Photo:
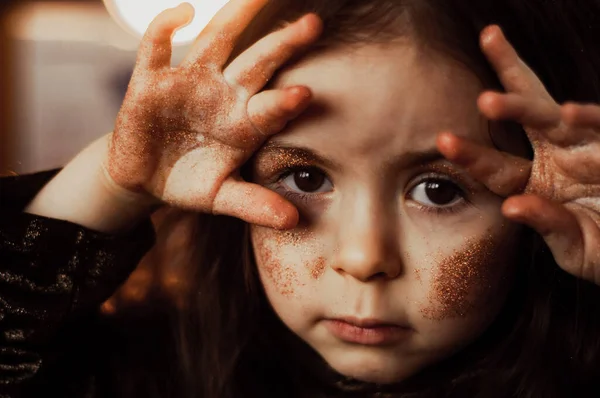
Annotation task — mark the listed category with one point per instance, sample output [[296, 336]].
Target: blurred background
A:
[[64, 69]]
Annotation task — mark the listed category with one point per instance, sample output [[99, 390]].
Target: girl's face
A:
[[400, 259]]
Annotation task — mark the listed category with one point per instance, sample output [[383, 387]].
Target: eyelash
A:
[[296, 196], [461, 191]]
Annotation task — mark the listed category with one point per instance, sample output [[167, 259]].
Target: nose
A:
[[368, 240]]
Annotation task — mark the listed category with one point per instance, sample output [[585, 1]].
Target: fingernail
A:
[[488, 33]]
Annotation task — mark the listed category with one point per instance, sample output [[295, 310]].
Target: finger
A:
[[532, 112], [538, 114], [270, 110], [581, 115], [255, 204], [155, 49], [559, 227], [514, 74], [109, 307], [255, 66], [500, 172], [219, 37]]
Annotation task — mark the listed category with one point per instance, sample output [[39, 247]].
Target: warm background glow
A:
[[136, 15]]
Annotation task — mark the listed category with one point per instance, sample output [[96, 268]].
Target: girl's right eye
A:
[[307, 181]]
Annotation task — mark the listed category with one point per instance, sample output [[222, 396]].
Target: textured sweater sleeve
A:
[[53, 274]]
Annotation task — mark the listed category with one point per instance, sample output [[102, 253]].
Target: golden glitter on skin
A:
[[317, 269], [443, 168], [271, 159], [303, 240], [418, 275], [270, 250], [184, 131], [146, 144], [458, 278], [284, 278]]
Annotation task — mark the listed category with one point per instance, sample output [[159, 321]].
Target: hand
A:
[[183, 133], [558, 193]]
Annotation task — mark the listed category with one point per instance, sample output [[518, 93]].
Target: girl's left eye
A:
[[437, 193], [307, 180]]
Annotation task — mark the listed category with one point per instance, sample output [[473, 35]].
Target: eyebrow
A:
[[415, 158], [303, 153], [405, 160]]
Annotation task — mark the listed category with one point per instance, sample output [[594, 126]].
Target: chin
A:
[[374, 367]]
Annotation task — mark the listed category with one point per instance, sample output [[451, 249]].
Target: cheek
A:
[[463, 289], [287, 261], [467, 280], [458, 277]]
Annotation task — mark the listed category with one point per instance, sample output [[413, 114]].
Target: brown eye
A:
[[436, 193], [308, 181]]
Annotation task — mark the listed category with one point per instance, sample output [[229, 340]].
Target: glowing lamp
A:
[[135, 15]]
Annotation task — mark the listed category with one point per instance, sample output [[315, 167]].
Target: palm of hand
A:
[[568, 175], [189, 127]]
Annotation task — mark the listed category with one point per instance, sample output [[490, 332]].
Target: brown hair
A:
[[546, 340]]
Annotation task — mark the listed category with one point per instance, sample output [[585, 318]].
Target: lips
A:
[[367, 331]]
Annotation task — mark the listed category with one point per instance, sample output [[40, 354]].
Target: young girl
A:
[[369, 217]]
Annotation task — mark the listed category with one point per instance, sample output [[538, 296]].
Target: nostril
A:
[[380, 275], [390, 273]]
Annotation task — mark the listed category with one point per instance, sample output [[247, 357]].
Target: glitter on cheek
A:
[[461, 281], [317, 268], [418, 275], [284, 255], [304, 245], [284, 278], [169, 113]]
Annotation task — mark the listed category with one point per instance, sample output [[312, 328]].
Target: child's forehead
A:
[[384, 96], [375, 76]]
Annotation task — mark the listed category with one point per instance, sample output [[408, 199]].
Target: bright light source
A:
[[135, 15]]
